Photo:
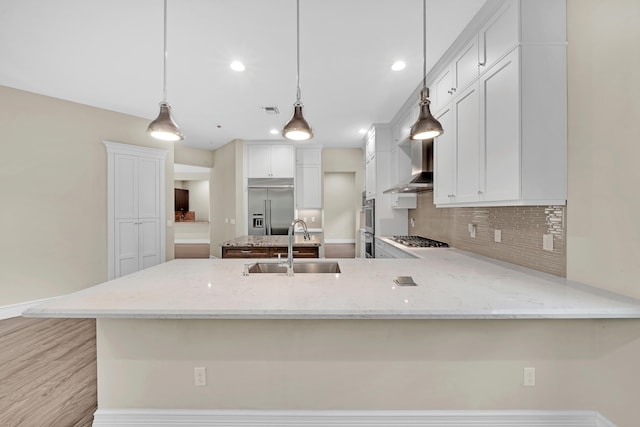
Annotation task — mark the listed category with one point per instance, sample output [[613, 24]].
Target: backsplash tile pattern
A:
[[522, 230]]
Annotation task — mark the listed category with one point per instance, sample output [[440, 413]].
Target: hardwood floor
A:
[[47, 372]]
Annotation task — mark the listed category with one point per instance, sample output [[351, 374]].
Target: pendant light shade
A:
[[297, 129], [164, 127], [426, 127]]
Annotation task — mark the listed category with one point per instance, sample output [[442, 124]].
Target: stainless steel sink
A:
[[303, 267]]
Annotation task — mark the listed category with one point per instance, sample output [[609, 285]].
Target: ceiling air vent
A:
[[271, 110]]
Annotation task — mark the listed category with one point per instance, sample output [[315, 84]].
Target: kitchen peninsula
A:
[[270, 247], [352, 340]]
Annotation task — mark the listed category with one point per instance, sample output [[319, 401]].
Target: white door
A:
[[135, 208]]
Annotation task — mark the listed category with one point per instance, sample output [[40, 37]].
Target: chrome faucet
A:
[[290, 246]]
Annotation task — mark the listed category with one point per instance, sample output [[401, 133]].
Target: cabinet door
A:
[[499, 36], [370, 178], [126, 246], [500, 129], [149, 242], [308, 156], [149, 188], [444, 164], [125, 186], [258, 161], [465, 67], [443, 92], [308, 187], [282, 161], [467, 128]]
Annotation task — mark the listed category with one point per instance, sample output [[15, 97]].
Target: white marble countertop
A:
[[452, 284]]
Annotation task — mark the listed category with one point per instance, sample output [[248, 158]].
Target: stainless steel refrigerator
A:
[[270, 202]]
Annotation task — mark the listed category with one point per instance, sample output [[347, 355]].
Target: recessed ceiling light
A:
[[237, 66], [362, 131], [398, 65], [274, 131]]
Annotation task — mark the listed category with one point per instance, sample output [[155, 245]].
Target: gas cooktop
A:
[[419, 242]]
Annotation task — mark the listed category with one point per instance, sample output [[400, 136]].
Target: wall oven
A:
[[369, 245], [369, 216]]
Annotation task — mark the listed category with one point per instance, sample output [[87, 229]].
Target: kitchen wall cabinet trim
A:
[[266, 160], [135, 208]]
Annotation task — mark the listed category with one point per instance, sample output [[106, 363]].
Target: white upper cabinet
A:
[[505, 137], [270, 161], [444, 151], [462, 71], [499, 35], [308, 178]]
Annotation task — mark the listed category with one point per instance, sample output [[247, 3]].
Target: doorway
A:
[[339, 222]]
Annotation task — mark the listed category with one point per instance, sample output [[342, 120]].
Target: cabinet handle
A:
[[451, 195], [245, 252], [453, 89], [479, 191], [449, 92], [482, 64]]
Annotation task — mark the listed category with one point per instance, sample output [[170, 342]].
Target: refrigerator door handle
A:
[[267, 214]]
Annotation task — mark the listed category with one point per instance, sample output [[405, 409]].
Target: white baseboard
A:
[[15, 310], [339, 241], [254, 418]]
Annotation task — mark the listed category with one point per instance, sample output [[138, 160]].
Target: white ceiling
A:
[[108, 54]]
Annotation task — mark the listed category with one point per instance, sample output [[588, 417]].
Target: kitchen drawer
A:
[[245, 252], [298, 252]]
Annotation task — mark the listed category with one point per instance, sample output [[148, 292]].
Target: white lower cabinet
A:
[[385, 250]]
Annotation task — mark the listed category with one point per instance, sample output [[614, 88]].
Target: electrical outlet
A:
[[304, 218], [547, 242], [529, 377], [497, 236], [413, 222], [232, 220], [199, 376], [313, 219], [472, 231]]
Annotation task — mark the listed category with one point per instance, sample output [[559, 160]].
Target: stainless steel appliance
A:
[[369, 216], [270, 202], [421, 179], [419, 242], [369, 245]]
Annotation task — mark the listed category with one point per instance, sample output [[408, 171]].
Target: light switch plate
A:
[[547, 242], [497, 236]]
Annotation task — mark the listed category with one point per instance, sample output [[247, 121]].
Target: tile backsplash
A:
[[522, 229]]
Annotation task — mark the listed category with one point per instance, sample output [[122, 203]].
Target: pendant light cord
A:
[[164, 82], [424, 44], [297, 51]]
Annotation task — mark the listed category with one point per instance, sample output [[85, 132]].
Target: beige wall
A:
[[377, 364], [603, 230], [226, 188], [346, 160], [339, 220], [184, 155], [53, 175]]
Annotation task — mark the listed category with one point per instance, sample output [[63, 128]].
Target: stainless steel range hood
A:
[[421, 179]]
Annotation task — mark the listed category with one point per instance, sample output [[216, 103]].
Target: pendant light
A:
[[427, 127], [163, 127], [297, 129]]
